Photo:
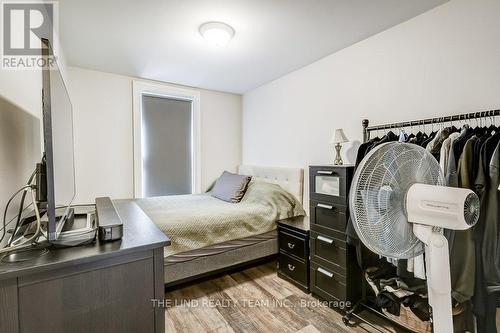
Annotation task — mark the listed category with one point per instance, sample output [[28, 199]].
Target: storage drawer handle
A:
[[291, 246], [325, 272], [323, 172], [291, 267], [324, 206], [326, 240]]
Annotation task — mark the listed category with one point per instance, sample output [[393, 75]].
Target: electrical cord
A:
[[30, 240], [75, 205], [33, 239], [7, 207], [15, 217], [21, 209]]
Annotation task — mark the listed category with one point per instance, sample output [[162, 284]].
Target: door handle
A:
[[324, 172], [325, 272], [291, 267], [291, 246], [326, 240], [320, 205]]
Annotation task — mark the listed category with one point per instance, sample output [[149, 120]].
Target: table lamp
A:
[[338, 138]]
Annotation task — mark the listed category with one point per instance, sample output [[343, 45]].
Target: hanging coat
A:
[[490, 249]]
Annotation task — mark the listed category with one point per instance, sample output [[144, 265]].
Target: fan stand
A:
[[438, 276]]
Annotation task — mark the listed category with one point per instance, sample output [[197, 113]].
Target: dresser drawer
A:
[[329, 249], [293, 268], [292, 243], [340, 235], [328, 184], [332, 216], [327, 284]]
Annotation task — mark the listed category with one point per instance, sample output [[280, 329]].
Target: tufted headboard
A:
[[290, 179]]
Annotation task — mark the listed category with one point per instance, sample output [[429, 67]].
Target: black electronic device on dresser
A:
[[334, 272], [293, 262]]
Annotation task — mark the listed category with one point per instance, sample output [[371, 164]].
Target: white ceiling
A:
[[159, 39]]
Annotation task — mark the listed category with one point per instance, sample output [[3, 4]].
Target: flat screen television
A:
[[59, 161]]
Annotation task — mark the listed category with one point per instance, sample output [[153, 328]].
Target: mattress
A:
[[199, 220], [179, 273], [220, 248]]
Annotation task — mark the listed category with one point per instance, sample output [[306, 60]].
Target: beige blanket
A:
[[198, 220]]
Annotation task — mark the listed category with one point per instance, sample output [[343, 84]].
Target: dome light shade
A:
[[217, 33]]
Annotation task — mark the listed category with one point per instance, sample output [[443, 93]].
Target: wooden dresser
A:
[[101, 287], [334, 273]]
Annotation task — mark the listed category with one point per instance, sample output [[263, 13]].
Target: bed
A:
[[209, 235]]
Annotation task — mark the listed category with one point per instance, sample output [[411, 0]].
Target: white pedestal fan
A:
[[399, 205]]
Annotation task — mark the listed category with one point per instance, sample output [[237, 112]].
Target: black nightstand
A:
[[293, 262]]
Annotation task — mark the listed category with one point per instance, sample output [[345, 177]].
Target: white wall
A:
[[103, 134], [21, 126], [220, 134], [442, 62], [20, 131], [20, 149]]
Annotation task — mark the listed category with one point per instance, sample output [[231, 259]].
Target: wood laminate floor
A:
[[253, 300], [498, 319]]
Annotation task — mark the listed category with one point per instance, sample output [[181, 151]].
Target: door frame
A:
[[142, 88]]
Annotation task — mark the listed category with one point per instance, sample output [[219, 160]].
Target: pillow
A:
[[230, 187]]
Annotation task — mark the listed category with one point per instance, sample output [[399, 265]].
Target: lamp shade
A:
[[339, 136]]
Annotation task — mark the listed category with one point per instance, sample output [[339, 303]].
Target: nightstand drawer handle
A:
[[326, 240], [323, 172], [291, 267], [291, 246], [324, 271], [324, 206]]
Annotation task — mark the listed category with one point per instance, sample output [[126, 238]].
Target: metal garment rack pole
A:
[[366, 136], [459, 117]]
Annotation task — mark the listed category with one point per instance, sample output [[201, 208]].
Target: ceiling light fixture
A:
[[217, 33]]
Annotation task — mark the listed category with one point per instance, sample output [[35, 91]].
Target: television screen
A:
[[58, 145]]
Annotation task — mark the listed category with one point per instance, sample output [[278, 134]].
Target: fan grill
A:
[[471, 209], [378, 197]]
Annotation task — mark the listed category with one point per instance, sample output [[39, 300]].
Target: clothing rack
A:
[[363, 304], [459, 117]]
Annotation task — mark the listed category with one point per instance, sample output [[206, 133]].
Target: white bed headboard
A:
[[290, 179]]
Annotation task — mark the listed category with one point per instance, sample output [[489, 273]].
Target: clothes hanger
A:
[[426, 136], [412, 135], [464, 127], [430, 136], [390, 134], [419, 124], [433, 133], [465, 122], [477, 130], [494, 130], [402, 135], [483, 124], [453, 128]]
